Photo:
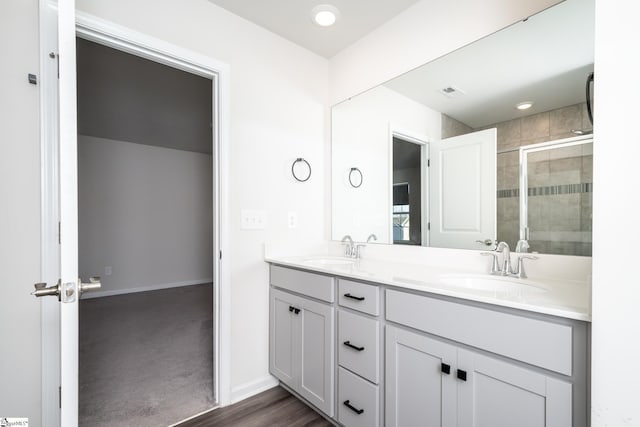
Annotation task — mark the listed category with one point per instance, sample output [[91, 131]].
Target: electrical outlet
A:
[[108, 271], [292, 219], [251, 219]]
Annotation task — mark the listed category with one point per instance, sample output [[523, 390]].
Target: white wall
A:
[[425, 31], [361, 138], [278, 113], [146, 212], [20, 353], [616, 288]]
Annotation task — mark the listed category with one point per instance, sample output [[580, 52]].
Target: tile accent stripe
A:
[[549, 190]]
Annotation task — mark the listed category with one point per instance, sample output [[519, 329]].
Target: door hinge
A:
[[59, 233], [60, 397]]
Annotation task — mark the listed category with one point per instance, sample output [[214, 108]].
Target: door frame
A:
[[124, 39]]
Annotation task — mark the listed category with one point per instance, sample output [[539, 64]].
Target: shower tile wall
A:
[[559, 223]]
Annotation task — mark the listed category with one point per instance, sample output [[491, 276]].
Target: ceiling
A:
[[545, 59], [292, 20]]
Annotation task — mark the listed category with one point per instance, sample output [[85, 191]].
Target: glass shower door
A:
[[556, 191]]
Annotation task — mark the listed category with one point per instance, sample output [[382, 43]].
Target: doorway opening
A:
[[409, 192], [145, 202]]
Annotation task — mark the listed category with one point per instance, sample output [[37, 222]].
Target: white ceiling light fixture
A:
[[524, 105], [325, 15]]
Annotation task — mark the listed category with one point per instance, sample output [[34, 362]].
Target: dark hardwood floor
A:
[[273, 408]]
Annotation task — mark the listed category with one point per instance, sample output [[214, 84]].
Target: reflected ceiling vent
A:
[[451, 91]]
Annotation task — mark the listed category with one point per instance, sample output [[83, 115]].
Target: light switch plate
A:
[[252, 219]]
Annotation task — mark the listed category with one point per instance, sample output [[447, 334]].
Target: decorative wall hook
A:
[[355, 177], [304, 170]]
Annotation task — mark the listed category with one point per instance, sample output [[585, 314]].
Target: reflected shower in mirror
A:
[[515, 89]]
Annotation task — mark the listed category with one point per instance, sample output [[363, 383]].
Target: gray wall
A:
[[146, 212], [128, 98], [19, 213]]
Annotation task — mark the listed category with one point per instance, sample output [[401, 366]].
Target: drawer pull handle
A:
[[354, 297], [353, 408], [445, 369], [348, 344], [462, 375]]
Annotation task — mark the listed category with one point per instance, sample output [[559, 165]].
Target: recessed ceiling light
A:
[[324, 15], [524, 105]]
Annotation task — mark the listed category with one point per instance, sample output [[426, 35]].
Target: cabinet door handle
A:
[[354, 297], [348, 344], [296, 310], [291, 309], [445, 369], [353, 408], [462, 375]]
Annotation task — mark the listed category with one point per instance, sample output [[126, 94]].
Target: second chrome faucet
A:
[[506, 269]]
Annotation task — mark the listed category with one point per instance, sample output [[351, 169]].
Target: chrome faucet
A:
[[372, 237], [506, 257], [506, 269], [349, 248]]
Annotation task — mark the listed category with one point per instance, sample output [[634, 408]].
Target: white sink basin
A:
[[490, 283], [329, 261]]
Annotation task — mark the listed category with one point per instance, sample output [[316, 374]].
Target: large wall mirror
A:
[[491, 142]]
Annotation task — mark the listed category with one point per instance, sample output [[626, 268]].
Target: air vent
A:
[[451, 91]]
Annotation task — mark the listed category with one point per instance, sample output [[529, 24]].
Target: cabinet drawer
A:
[[537, 342], [358, 296], [359, 345], [302, 282], [357, 401]]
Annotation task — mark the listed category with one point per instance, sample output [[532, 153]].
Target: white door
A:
[[68, 213], [463, 191]]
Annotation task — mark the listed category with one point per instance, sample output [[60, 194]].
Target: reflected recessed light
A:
[[524, 105], [324, 15]]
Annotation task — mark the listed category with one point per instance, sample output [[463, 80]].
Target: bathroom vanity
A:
[[373, 343]]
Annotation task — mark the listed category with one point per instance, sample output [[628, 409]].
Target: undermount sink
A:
[[490, 283], [329, 261]]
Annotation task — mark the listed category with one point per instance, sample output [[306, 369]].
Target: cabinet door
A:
[[418, 392], [317, 354], [283, 333], [499, 394]]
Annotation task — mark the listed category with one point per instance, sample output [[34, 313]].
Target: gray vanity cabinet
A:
[[432, 383], [301, 341], [499, 394], [418, 389]]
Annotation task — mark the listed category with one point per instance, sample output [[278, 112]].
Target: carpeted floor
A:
[[146, 359]]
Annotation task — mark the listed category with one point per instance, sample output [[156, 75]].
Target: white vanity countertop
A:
[[564, 298]]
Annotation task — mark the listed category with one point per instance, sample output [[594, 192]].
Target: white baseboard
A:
[[109, 293], [252, 388]]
